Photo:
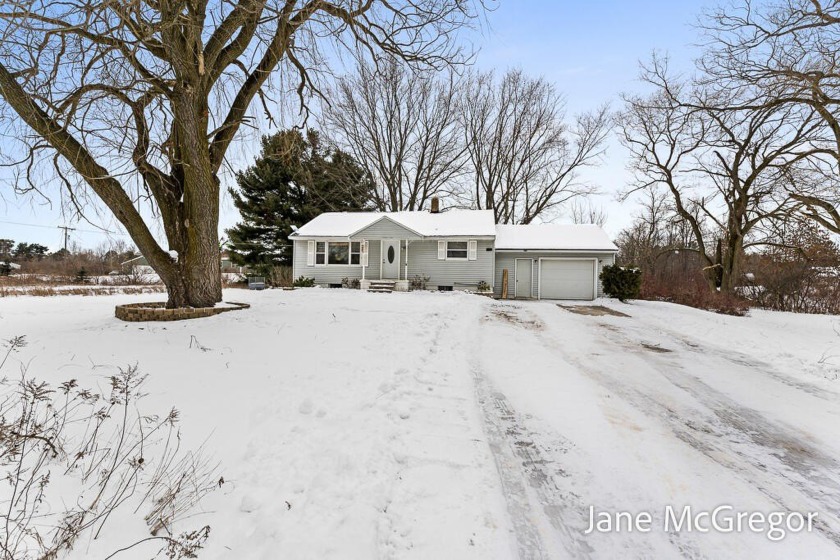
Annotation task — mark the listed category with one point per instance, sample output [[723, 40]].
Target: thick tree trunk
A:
[[731, 265], [198, 282], [201, 265], [195, 280]]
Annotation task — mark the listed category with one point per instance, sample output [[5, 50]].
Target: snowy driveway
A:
[[427, 425], [669, 407]]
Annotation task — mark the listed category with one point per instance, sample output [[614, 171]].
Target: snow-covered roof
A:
[[454, 223], [11, 265], [570, 237]]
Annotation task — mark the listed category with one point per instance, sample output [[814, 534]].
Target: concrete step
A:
[[382, 286]]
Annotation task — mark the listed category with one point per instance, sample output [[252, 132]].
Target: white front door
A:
[[391, 259]]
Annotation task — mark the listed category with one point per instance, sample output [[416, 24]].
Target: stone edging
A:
[[157, 311]]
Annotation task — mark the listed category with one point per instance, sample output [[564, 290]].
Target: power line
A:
[[103, 231]]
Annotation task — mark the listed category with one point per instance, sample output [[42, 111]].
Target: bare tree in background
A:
[[657, 230], [731, 168], [584, 212], [524, 157], [140, 100], [788, 52], [400, 123]]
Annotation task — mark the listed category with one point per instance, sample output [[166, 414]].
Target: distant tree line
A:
[[35, 258]]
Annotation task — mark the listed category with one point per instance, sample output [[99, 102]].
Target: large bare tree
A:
[[788, 52], [525, 159], [401, 124], [140, 100], [728, 169]]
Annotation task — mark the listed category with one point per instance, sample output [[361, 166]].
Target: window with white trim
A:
[[456, 250], [338, 253]]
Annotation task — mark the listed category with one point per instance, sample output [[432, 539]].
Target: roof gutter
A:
[[574, 251]]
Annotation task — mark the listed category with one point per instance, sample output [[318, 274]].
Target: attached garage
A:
[[567, 278], [551, 261]]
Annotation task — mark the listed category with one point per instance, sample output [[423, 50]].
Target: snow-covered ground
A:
[[445, 425]]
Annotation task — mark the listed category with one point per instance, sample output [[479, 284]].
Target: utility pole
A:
[[67, 231]]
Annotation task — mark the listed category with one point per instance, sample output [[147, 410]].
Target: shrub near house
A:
[[621, 282]]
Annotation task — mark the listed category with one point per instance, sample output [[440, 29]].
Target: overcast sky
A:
[[590, 50]]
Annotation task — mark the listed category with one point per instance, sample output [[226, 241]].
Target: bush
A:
[[795, 286], [726, 304], [418, 282], [304, 282], [81, 277], [5, 269], [352, 283], [483, 286], [693, 291], [134, 276], [620, 282]]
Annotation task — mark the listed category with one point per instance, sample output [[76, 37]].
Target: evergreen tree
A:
[[6, 248], [294, 179], [29, 251]]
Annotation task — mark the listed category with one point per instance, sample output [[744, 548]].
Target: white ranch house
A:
[[455, 250]]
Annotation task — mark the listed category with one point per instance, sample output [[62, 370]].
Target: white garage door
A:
[[567, 279]]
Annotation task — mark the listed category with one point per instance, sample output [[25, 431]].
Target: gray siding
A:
[[385, 229], [506, 260], [332, 274], [423, 261]]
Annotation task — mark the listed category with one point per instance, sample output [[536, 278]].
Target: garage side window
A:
[[320, 252]]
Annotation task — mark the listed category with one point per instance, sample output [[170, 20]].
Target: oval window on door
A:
[[391, 254]]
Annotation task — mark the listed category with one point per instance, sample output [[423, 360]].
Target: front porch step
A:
[[382, 286]]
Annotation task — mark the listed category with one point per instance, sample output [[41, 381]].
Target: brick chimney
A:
[[435, 205]]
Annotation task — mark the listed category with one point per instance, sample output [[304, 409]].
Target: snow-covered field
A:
[[444, 425]]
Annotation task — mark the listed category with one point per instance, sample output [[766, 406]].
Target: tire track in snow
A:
[[530, 490], [496, 414], [770, 457], [743, 360]]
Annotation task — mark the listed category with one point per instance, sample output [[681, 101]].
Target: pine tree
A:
[[294, 179]]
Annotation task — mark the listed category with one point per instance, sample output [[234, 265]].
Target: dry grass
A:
[[693, 292], [59, 290], [513, 316]]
